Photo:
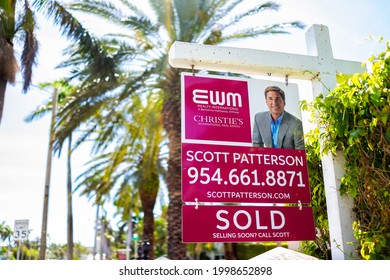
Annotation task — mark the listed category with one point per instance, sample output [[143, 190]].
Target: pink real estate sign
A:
[[269, 187]]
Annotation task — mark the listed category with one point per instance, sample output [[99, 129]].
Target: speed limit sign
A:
[[21, 230]]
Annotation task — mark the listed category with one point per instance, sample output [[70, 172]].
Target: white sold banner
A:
[[21, 230]]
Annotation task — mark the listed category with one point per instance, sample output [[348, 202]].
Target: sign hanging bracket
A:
[[192, 68]]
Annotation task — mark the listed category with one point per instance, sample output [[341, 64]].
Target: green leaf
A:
[[384, 119]]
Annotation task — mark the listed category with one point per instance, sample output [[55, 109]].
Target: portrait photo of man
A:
[[277, 128]]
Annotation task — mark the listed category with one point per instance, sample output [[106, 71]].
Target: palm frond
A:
[[140, 24], [102, 9], [133, 8], [72, 28], [39, 112], [30, 47], [167, 16], [268, 6], [279, 28]]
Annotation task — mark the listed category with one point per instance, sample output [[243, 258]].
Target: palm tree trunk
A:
[[176, 248], [129, 235], [148, 200], [96, 231], [42, 248], [3, 87], [70, 212], [171, 114], [102, 236]]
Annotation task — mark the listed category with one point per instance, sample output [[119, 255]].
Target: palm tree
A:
[[5, 235], [5, 232], [149, 168], [147, 41], [134, 162], [63, 92], [16, 22]]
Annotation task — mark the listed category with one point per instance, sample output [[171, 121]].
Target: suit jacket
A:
[[290, 132]]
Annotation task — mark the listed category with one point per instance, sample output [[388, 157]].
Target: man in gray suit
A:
[[277, 128]]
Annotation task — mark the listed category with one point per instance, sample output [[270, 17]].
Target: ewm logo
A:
[[220, 98]]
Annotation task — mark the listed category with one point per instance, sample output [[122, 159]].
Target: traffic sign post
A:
[[20, 233]]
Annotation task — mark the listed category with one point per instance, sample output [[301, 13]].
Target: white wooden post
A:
[[319, 63], [340, 214]]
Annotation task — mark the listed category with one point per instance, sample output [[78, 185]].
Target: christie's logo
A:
[[220, 98]]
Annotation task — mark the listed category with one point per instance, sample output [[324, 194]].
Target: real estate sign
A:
[[231, 190]]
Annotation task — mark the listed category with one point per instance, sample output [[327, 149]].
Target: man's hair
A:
[[275, 88]]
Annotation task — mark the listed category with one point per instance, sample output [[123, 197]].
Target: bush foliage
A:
[[354, 118]]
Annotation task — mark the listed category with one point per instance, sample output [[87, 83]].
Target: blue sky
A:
[[23, 146]]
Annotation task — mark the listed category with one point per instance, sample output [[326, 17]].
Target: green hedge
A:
[[354, 118]]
